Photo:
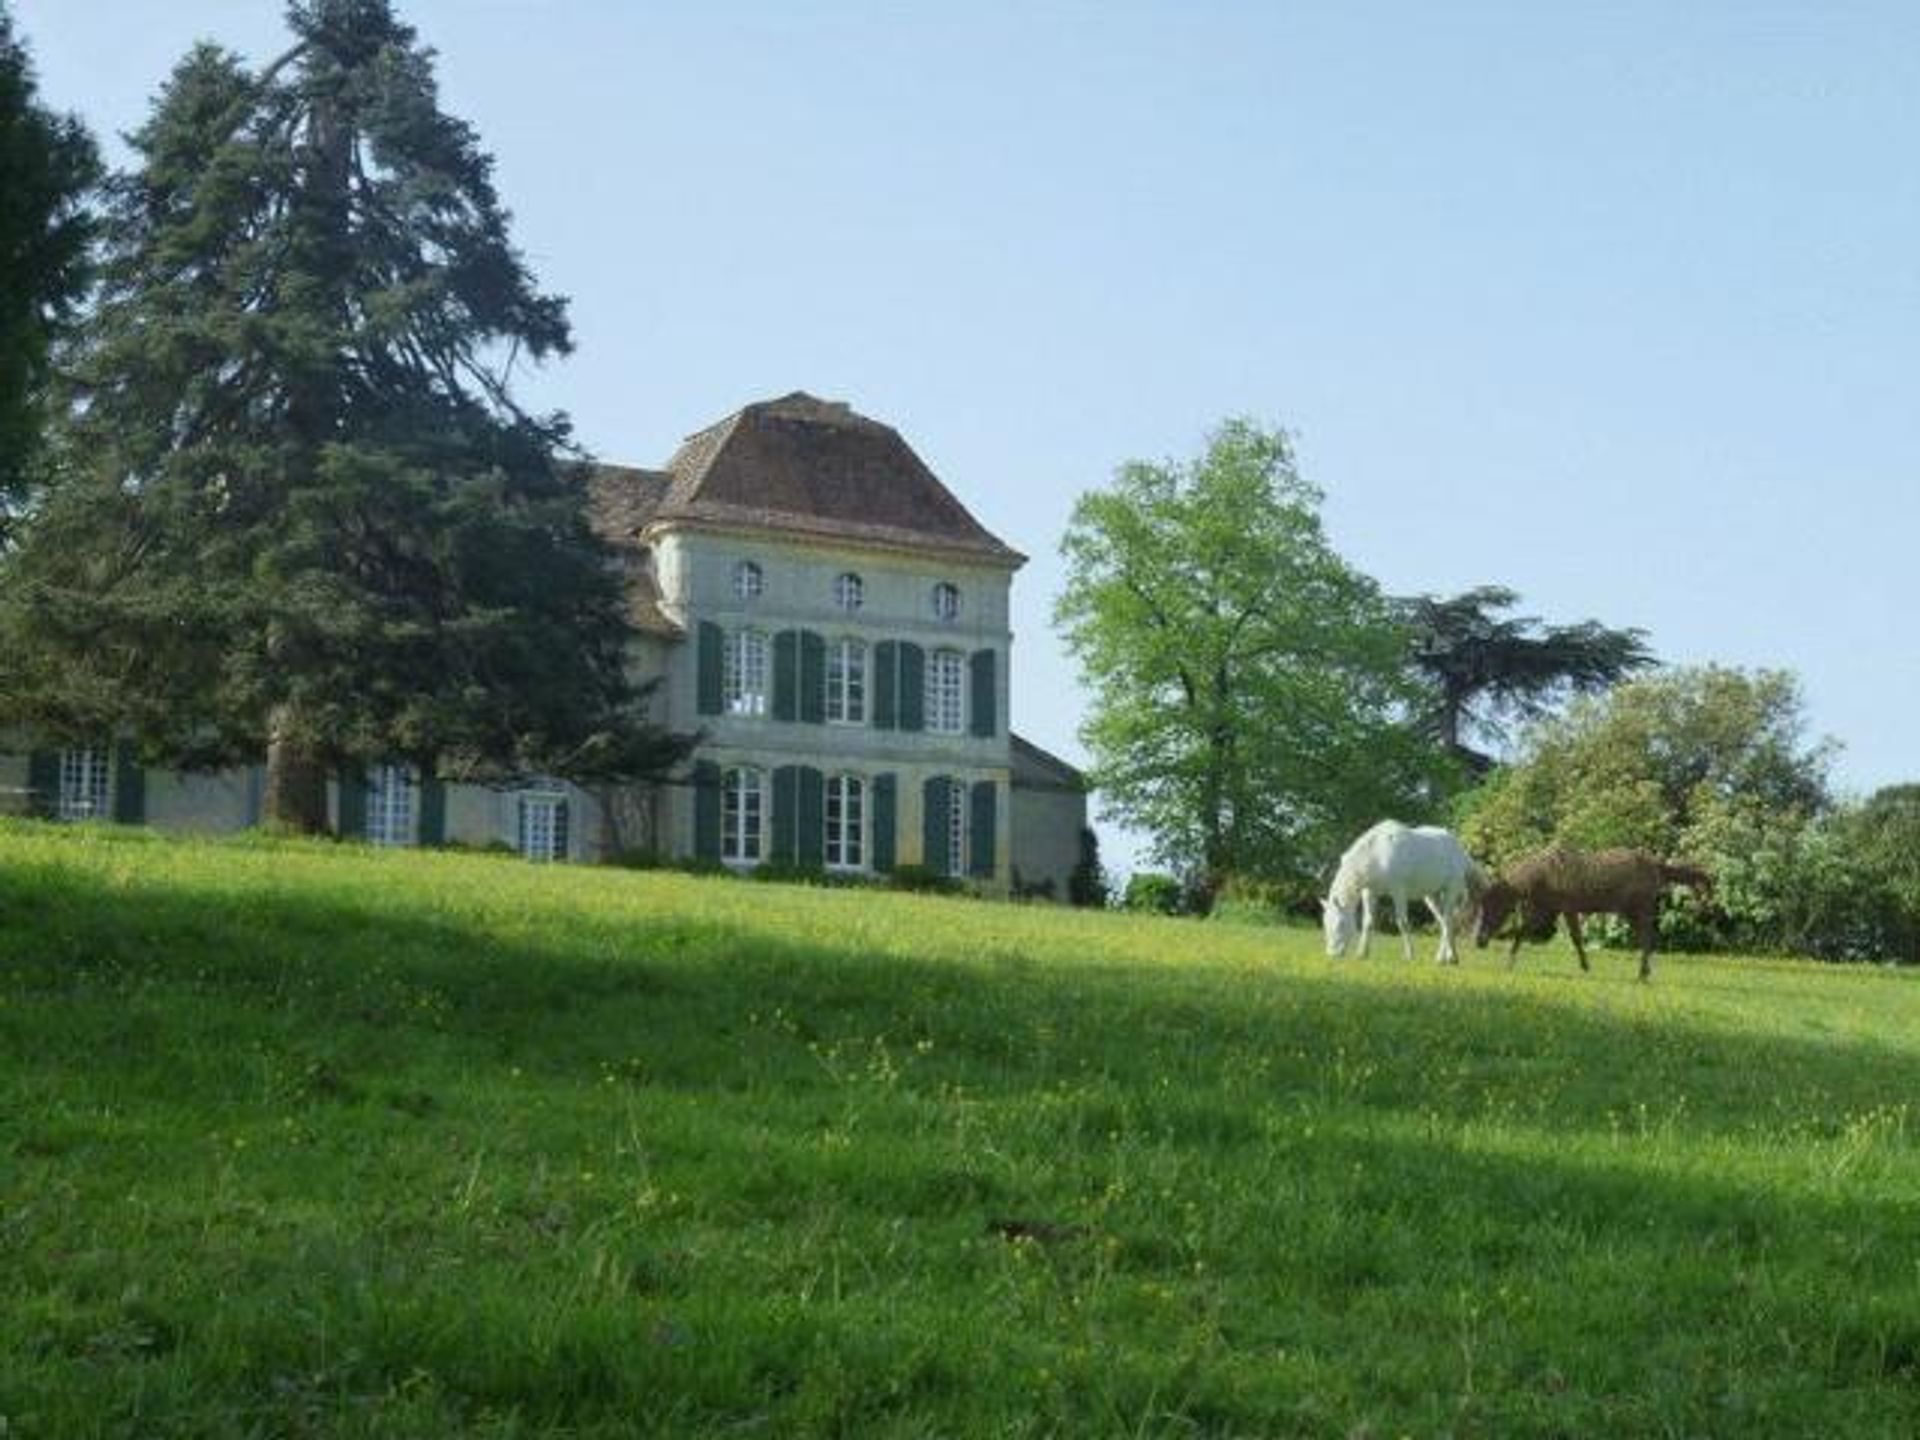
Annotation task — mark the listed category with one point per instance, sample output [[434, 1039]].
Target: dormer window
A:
[[946, 601], [849, 592], [748, 580]]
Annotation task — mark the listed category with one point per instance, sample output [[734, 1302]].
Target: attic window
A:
[[748, 581], [849, 591], [946, 601]]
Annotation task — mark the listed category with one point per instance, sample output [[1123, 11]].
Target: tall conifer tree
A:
[[1488, 670], [307, 517], [48, 166]]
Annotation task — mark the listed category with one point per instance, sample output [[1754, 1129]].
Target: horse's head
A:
[[1496, 904], [1339, 922]]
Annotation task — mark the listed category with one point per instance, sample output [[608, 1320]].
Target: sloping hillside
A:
[[307, 1140]]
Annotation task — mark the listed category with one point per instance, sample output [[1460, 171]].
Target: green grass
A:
[[306, 1140]]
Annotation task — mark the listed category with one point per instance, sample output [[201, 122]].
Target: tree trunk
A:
[[1451, 705], [296, 790]]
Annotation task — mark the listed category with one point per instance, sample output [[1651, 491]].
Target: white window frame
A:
[[846, 681], [749, 580], [846, 822], [743, 673], [849, 591], [85, 791], [393, 806], [543, 802], [958, 818], [946, 601], [947, 692], [743, 815]]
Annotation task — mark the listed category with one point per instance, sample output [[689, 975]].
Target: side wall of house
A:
[[1047, 821]]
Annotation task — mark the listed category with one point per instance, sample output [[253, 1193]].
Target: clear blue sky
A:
[[1617, 304]]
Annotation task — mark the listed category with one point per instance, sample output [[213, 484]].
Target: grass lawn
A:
[[309, 1140]]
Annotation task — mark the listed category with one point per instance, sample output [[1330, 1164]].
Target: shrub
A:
[[1033, 889], [1159, 894], [1244, 901], [1087, 886], [789, 872], [647, 859]]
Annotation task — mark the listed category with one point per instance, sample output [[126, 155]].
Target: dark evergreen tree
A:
[[305, 515], [1489, 670], [48, 166]]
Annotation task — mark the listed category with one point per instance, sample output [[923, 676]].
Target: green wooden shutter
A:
[[562, 839], [811, 817], [913, 686], [980, 828], [786, 675], [986, 714], [43, 783], [706, 810], [813, 678], [782, 846], [936, 796], [433, 810], [886, 682], [353, 803], [129, 787], [710, 651], [885, 809]]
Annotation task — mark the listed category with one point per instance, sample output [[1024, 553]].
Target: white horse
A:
[[1401, 862]]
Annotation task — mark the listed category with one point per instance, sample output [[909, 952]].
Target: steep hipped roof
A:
[[801, 465]]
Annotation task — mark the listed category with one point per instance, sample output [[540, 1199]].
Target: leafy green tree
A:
[[48, 168], [1490, 671], [1869, 903], [1709, 763], [304, 513], [1655, 760], [1248, 686]]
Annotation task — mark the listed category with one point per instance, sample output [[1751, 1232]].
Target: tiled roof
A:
[[622, 498], [1037, 769], [620, 501], [818, 468]]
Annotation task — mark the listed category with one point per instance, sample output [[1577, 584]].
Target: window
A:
[[744, 673], [847, 682], [846, 822], [957, 828], [391, 791], [743, 811], [946, 601], [849, 591], [543, 825], [748, 581], [83, 785], [946, 690]]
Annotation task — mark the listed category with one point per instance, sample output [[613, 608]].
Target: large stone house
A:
[[818, 608]]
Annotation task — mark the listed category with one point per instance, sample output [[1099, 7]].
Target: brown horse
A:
[[1563, 881]]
